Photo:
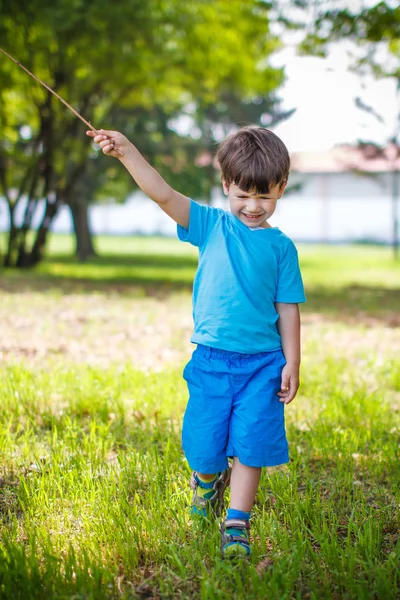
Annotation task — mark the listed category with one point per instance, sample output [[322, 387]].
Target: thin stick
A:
[[50, 90]]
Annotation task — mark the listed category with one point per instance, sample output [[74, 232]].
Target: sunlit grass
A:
[[93, 483], [95, 491], [354, 277]]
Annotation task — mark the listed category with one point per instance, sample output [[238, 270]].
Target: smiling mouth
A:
[[251, 217]]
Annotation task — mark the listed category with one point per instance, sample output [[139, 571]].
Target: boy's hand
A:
[[112, 143], [174, 204], [290, 383]]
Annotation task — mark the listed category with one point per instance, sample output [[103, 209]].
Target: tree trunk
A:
[[36, 254], [12, 239], [84, 243]]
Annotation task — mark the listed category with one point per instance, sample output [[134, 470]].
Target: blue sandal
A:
[[214, 498], [235, 540]]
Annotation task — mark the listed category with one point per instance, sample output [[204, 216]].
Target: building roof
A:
[[368, 158], [346, 158]]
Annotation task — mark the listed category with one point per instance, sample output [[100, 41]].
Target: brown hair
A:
[[255, 159]]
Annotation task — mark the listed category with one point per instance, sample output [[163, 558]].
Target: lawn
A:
[[93, 482]]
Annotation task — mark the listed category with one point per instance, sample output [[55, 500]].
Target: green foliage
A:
[[132, 63], [372, 28], [374, 24], [376, 32]]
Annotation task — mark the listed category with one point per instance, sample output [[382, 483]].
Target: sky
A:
[[323, 91]]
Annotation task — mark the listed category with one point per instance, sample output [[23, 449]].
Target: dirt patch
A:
[[148, 332], [95, 329]]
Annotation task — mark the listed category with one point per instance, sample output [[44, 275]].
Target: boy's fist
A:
[[112, 143], [289, 384]]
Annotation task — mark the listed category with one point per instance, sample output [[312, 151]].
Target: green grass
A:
[[93, 483], [94, 492], [342, 280]]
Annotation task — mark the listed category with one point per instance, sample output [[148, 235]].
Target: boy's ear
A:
[[282, 189], [225, 187]]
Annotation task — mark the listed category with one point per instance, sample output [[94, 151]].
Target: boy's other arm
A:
[[289, 330], [174, 204]]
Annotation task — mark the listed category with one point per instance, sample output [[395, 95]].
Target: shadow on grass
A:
[[9, 501], [160, 275], [137, 287], [139, 275], [360, 303], [167, 261]]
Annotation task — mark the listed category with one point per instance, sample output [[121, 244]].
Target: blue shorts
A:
[[234, 410]]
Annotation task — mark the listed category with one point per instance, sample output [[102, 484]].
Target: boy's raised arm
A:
[[174, 204]]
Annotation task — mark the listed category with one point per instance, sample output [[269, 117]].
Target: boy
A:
[[246, 322]]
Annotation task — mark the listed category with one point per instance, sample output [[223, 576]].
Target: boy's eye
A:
[[246, 198]]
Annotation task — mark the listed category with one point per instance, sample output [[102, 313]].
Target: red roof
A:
[[346, 158]]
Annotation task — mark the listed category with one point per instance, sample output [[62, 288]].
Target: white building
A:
[[344, 197]]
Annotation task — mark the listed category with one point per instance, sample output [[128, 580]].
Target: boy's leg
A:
[[244, 485], [205, 429], [205, 488], [206, 476], [235, 529], [256, 435], [209, 491]]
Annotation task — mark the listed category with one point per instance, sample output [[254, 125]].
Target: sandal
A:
[[235, 541], [215, 497]]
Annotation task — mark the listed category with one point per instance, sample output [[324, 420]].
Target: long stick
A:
[[50, 90]]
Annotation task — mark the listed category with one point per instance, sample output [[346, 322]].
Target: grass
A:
[[93, 482], [341, 280]]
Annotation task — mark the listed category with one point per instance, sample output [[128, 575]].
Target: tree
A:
[[102, 57], [375, 32]]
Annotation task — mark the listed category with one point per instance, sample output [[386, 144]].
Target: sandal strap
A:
[[194, 482], [203, 501], [237, 524], [235, 538]]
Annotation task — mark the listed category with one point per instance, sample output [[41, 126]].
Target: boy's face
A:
[[250, 208]]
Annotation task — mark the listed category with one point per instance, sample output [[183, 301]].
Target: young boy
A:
[[246, 322]]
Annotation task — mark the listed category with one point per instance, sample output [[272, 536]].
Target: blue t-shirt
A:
[[241, 274]]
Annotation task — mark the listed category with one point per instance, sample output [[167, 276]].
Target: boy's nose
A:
[[253, 206]]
